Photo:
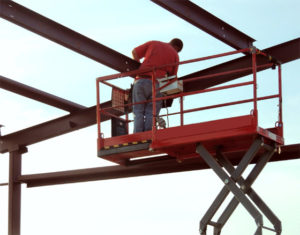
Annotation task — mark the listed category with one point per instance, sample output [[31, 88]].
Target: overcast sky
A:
[[162, 204]]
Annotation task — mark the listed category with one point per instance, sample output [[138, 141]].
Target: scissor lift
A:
[[210, 140]]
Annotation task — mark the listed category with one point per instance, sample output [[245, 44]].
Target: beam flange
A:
[[283, 53], [64, 36], [38, 95], [207, 22], [53, 128], [166, 165]]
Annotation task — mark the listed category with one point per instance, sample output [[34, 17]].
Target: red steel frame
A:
[[157, 142]]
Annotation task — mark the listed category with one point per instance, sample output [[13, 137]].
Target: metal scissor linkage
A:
[[232, 178]]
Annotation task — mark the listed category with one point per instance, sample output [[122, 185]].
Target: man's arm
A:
[[135, 56], [175, 68], [140, 51]]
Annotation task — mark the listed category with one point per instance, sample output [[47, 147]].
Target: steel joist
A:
[[64, 36], [38, 95], [141, 168], [207, 22], [283, 53], [53, 128]]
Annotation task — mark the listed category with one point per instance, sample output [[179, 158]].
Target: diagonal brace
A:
[[246, 187], [230, 185], [224, 192]]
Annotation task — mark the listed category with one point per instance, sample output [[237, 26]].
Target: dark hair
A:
[[175, 42]]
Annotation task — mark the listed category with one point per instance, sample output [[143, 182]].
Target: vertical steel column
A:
[[14, 192]]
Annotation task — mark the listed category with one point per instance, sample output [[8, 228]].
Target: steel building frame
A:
[[80, 117]]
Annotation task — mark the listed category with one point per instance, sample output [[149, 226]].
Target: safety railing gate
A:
[[263, 142]]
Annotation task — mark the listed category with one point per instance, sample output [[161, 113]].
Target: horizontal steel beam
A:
[[285, 52], [38, 95], [47, 130], [64, 36], [53, 128], [166, 165], [207, 22], [282, 53]]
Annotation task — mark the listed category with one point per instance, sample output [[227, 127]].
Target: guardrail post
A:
[[254, 70]]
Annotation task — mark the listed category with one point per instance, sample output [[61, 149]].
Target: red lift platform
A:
[[210, 140]]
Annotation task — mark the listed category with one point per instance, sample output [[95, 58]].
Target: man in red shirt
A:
[[155, 54]]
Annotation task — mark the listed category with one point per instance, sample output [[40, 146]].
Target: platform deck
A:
[[231, 134]]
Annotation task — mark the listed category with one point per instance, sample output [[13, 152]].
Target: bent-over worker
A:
[[155, 53]]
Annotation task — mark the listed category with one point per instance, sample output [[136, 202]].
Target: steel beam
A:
[[53, 128], [207, 22], [283, 53], [14, 192], [161, 166], [39, 24], [38, 95], [64, 36]]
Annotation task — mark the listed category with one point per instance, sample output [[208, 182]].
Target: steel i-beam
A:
[[207, 22], [53, 128], [38, 95], [14, 194], [159, 166], [64, 36], [283, 53]]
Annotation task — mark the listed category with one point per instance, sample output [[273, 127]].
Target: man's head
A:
[[177, 44]]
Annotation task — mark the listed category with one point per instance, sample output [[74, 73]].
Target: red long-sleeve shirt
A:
[[156, 53]]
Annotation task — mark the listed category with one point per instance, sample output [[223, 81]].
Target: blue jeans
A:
[[142, 91]]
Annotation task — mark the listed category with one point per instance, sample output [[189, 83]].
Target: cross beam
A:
[[142, 168], [64, 36], [207, 22], [38, 95], [283, 53], [53, 128]]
